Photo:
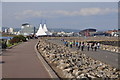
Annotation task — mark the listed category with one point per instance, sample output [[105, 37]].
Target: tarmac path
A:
[[22, 62], [107, 57]]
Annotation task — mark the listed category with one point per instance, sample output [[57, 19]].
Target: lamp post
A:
[[34, 30]]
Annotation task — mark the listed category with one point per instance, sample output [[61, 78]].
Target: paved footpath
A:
[[107, 57], [22, 62]]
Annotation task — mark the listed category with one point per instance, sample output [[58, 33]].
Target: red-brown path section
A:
[[22, 62]]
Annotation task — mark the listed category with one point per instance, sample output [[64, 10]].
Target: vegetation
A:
[[9, 45], [17, 39]]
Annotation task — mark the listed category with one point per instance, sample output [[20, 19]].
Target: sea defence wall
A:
[[97, 38], [73, 64], [113, 45], [110, 48]]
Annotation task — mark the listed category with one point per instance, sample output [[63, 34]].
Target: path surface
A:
[[110, 58], [22, 62]]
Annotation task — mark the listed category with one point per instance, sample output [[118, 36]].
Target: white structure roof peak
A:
[[40, 27], [45, 28], [40, 31]]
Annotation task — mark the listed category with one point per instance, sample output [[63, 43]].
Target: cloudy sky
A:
[[68, 15]]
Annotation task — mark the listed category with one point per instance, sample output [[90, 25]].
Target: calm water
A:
[[6, 37]]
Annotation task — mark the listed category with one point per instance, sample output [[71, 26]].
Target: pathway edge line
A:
[[47, 67]]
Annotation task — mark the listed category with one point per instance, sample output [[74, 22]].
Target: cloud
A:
[[30, 14], [87, 12], [82, 12]]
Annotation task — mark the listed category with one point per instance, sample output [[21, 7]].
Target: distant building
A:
[[100, 34], [10, 30], [66, 34], [6, 30], [26, 29], [87, 32], [113, 32]]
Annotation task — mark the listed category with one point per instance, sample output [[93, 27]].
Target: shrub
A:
[[18, 38], [22, 38]]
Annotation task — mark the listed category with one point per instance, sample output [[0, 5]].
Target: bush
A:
[[18, 38], [22, 38], [15, 39]]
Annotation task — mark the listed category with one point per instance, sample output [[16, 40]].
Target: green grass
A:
[[9, 45], [15, 43]]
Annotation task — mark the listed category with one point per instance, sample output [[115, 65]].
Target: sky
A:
[[67, 15], [0, 16], [59, 0]]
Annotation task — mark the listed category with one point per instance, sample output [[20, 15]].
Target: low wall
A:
[[110, 48], [96, 39]]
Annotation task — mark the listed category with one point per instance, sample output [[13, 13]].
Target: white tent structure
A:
[[43, 31], [40, 31], [45, 28]]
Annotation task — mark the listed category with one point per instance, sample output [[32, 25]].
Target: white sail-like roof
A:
[[45, 28], [40, 31], [48, 33]]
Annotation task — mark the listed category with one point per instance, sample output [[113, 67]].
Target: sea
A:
[[6, 37]]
